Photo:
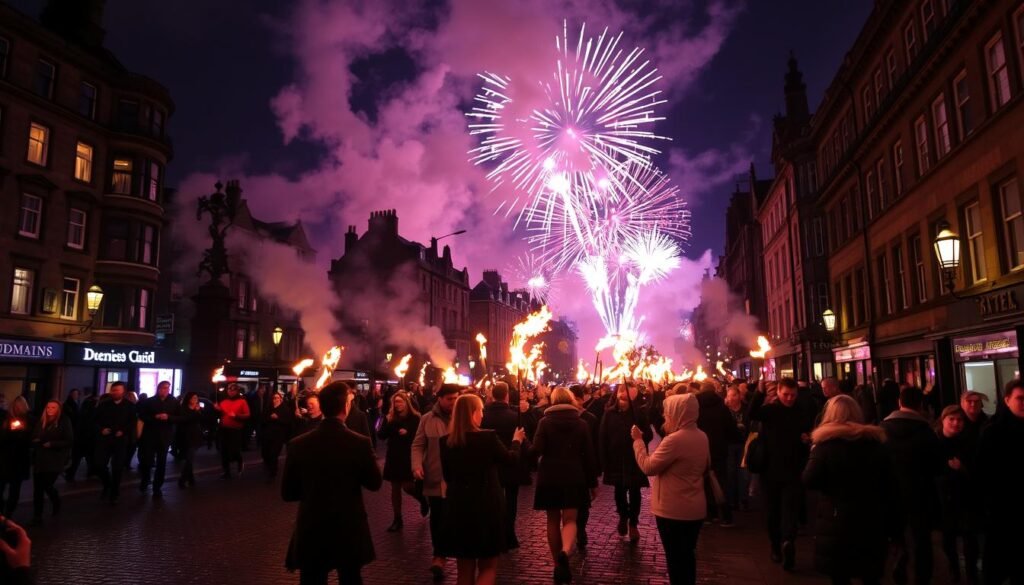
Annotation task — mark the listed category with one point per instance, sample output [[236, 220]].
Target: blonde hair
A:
[[410, 406], [462, 419], [842, 409], [19, 407], [562, 395]]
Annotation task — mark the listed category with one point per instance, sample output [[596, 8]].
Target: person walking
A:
[[310, 417], [737, 480], [157, 416], [470, 460], [956, 494], [72, 406], [275, 430], [52, 438], [618, 465], [325, 471], [785, 433], [85, 440], [566, 475], [426, 467], [856, 516], [975, 420], [115, 425], [917, 461], [719, 426], [500, 417], [399, 429], [189, 420], [594, 428], [234, 411], [678, 467], [15, 453]]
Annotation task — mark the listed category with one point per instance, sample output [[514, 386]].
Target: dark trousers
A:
[[10, 495], [582, 517], [42, 484], [511, 511], [950, 534], [627, 503], [150, 450], [737, 480], [918, 534], [784, 500], [81, 451], [721, 511], [679, 539], [110, 459], [271, 451], [437, 511], [346, 576], [230, 448], [188, 454], [1001, 560]]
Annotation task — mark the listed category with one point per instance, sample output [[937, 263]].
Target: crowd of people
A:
[[873, 473]]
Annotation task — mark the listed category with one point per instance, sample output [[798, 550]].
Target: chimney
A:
[[79, 21], [384, 222], [350, 239], [493, 279]]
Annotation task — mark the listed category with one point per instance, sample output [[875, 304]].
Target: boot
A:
[[396, 525], [634, 533], [621, 528], [562, 572]]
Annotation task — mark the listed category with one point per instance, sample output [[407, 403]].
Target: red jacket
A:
[[231, 409]]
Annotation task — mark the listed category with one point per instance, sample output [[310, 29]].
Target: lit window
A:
[[83, 162], [147, 236], [975, 242], [30, 220], [153, 181], [998, 75], [69, 299], [38, 144], [21, 291], [76, 228], [121, 178], [240, 342], [921, 140], [1013, 223], [962, 96], [143, 310], [941, 121]]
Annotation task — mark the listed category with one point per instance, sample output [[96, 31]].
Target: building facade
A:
[[83, 153], [920, 130], [494, 310]]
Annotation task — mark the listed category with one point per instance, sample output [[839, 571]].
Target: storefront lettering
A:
[[993, 345], [998, 303], [119, 357], [249, 373], [982, 346], [27, 350]]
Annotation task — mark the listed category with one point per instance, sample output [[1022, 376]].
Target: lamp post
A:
[[93, 300], [947, 250], [276, 336], [433, 246], [829, 319]]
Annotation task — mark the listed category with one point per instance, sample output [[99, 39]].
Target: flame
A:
[[719, 366], [327, 365], [581, 372], [763, 347], [540, 367], [423, 373], [15, 424], [403, 366], [302, 365], [520, 362], [699, 375], [450, 376], [218, 375], [483, 345]]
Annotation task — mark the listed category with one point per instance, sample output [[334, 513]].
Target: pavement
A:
[[237, 531]]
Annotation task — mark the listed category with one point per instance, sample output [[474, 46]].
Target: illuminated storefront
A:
[[97, 366], [985, 363]]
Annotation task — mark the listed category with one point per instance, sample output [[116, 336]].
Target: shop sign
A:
[[165, 324], [853, 354], [112, 356], [998, 304], [92, 354], [966, 348], [247, 372], [33, 351]]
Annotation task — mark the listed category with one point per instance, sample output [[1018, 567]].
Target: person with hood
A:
[[1000, 475], [426, 467], [189, 421], [52, 438], [917, 461], [566, 475], [501, 418], [398, 430], [274, 432], [326, 471], [849, 466], [719, 426], [617, 461], [955, 494], [678, 467], [785, 433]]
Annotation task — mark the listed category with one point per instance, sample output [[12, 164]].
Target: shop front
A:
[[909, 362], [985, 363], [29, 368], [141, 368], [853, 363]]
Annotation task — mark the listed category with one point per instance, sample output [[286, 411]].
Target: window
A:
[[890, 68], [869, 183], [897, 167], [1018, 29], [140, 318], [129, 241], [153, 181], [87, 100], [83, 162], [860, 309], [998, 75], [975, 242], [921, 140], [156, 123], [822, 296], [1013, 223], [125, 307], [146, 252], [5, 52], [76, 228], [962, 96], [21, 291], [31, 218], [69, 299], [128, 114], [878, 87], [927, 19], [45, 74], [241, 336], [38, 144], [243, 294], [920, 281], [910, 42], [121, 178], [869, 107], [902, 299], [819, 241], [941, 121], [845, 126], [883, 197], [885, 295]]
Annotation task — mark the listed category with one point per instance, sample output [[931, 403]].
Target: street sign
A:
[[165, 324]]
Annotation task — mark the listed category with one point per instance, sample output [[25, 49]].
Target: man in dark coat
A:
[[594, 426], [719, 425], [115, 424], [325, 471], [357, 421], [785, 428], [975, 419], [1000, 474], [157, 414], [500, 417], [917, 460]]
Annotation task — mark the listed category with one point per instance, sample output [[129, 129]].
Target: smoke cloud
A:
[[722, 311]]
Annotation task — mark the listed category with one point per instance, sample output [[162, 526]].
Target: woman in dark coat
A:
[[474, 518], [15, 454], [85, 439], [276, 429], [52, 439], [857, 513], [189, 420], [566, 476], [959, 513], [617, 460], [399, 429]]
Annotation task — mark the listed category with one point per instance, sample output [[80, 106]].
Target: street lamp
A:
[[947, 249], [830, 320], [277, 335], [93, 300]]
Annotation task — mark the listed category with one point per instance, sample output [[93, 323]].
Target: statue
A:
[[222, 208]]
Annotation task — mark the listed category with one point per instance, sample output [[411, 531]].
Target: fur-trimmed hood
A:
[[848, 432]]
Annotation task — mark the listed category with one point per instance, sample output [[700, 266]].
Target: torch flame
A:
[[483, 345], [535, 323], [218, 375], [15, 424], [302, 366], [719, 366], [581, 372], [403, 366], [450, 376], [699, 375], [763, 347], [423, 373], [327, 365]]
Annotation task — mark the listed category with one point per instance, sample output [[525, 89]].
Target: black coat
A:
[[618, 462], [358, 422], [398, 459], [154, 431], [503, 420], [474, 519], [785, 452], [52, 446], [999, 472], [190, 427], [325, 471], [15, 447], [957, 498], [917, 461], [71, 410], [718, 424], [856, 515], [277, 431], [118, 417], [563, 443]]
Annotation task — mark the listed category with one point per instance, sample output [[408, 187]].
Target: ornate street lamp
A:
[[829, 318], [93, 298], [947, 249], [277, 335]]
